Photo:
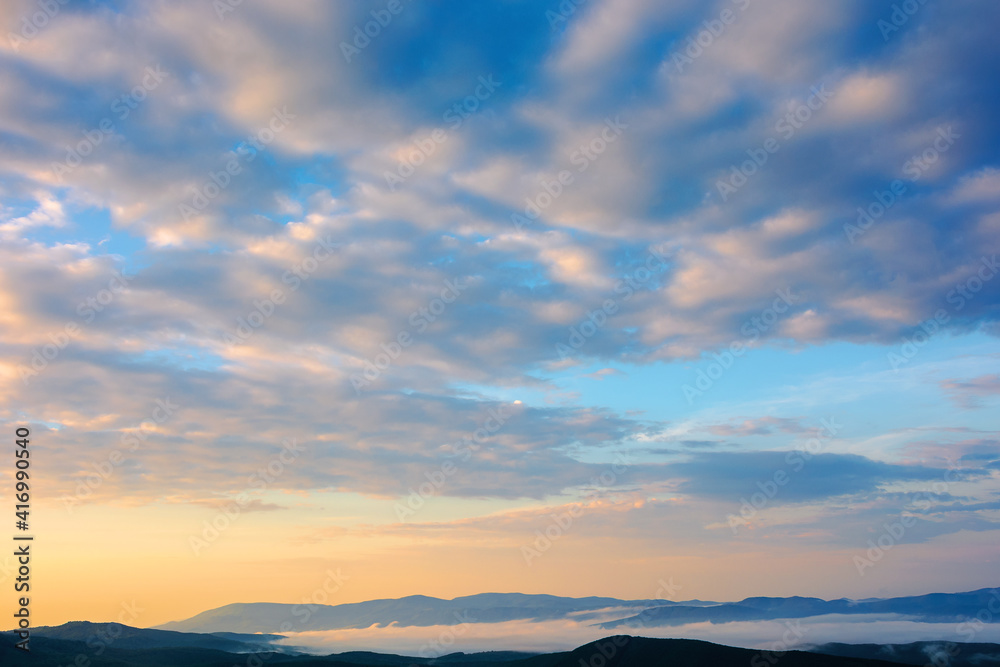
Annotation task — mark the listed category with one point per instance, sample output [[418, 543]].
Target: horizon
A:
[[535, 628], [620, 599], [617, 298], [680, 601]]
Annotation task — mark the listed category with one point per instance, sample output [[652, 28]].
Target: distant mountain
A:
[[933, 608], [420, 610], [415, 610], [618, 651]]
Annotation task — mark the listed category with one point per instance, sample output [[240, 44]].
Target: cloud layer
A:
[[399, 249]]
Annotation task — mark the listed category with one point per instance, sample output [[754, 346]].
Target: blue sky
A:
[[633, 226]]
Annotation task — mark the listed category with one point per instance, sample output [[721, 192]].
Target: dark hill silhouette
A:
[[124, 636], [920, 653], [627, 651], [617, 651]]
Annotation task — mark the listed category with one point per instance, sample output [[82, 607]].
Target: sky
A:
[[446, 297]]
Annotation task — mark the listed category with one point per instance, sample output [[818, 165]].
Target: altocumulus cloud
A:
[[322, 177]]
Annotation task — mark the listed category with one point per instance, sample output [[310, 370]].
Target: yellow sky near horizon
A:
[[100, 561]]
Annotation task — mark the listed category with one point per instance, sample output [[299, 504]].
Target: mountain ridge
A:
[[931, 607], [422, 611]]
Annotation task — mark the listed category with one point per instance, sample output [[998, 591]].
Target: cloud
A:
[[275, 308], [969, 393], [562, 635], [760, 426], [254, 505], [695, 307], [808, 477], [604, 372]]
